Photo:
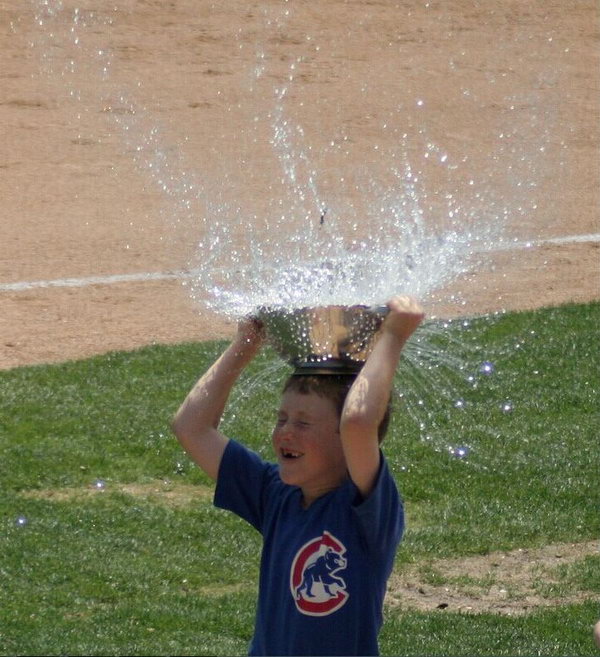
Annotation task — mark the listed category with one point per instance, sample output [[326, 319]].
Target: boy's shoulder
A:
[[244, 460]]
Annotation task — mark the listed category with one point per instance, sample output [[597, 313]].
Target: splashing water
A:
[[322, 252], [358, 235], [355, 236]]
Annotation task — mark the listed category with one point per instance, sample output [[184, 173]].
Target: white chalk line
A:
[[22, 286]]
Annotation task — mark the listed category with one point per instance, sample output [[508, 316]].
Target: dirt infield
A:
[[505, 583], [74, 206]]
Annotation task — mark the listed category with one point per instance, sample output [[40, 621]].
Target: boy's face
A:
[[307, 443]]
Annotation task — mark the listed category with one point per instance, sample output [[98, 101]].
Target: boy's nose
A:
[[284, 429]]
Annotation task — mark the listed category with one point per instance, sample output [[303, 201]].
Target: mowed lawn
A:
[[109, 543]]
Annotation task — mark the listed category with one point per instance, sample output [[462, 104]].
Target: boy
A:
[[329, 511]]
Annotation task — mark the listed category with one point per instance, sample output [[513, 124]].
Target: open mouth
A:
[[290, 454]]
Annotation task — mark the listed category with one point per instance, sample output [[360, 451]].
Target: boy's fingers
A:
[[405, 304], [251, 329], [404, 317]]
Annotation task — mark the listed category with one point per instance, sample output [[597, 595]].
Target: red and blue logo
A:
[[316, 586]]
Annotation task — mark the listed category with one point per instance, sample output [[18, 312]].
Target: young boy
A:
[[329, 511]]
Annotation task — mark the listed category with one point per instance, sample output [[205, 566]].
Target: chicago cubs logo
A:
[[316, 587]]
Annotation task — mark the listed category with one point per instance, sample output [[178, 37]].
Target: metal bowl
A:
[[323, 339]]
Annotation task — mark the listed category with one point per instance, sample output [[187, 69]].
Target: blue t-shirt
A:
[[323, 569]]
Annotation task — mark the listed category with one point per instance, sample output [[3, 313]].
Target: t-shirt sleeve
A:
[[241, 482], [381, 514]]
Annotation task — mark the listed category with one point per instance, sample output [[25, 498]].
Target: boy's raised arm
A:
[[197, 420], [369, 395]]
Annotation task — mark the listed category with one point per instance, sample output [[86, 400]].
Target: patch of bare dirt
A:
[[166, 493], [506, 583]]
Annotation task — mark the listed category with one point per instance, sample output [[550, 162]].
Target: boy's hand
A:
[[250, 333], [404, 317]]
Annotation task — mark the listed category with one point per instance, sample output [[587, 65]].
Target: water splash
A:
[[319, 246], [334, 229], [335, 256]]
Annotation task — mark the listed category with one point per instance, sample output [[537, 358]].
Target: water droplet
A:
[[460, 452], [487, 367]]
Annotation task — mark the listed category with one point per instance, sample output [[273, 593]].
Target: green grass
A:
[[583, 575], [113, 573], [565, 630]]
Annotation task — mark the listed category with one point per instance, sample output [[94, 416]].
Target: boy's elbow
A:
[[177, 429], [357, 423], [365, 420], [181, 428], [189, 433]]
